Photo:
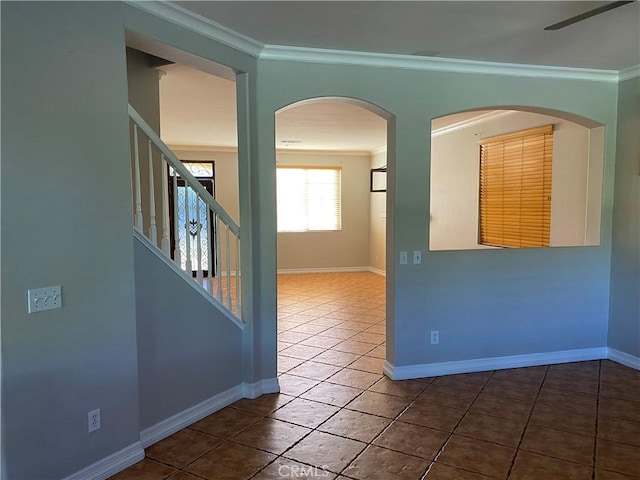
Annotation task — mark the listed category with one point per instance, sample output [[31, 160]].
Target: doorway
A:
[[194, 245], [331, 263]]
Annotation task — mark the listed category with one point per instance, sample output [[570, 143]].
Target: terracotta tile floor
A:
[[337, 417]]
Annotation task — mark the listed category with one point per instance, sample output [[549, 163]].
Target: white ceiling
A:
[[198, 109], [498, 31]]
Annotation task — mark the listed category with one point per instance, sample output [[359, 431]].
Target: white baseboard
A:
[[293, 271], [177, 422], [624, 358], [493, 363], [377, 271], [254, 390], [109, 466], [191, 415]]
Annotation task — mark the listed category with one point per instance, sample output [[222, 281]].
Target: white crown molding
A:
[[303, 151], [382, 149], [202, 148], [485, 117], [629, 73], [346, 57], [178, 15]]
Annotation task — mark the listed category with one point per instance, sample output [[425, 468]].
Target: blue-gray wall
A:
[[66, 219], [624, 314], [484, 303], [188, 351]]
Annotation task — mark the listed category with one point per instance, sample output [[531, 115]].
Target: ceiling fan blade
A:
[[587, 14]]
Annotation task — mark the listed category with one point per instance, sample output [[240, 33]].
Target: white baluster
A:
[[238, 276], [136, 166], [228, 262], [188, 267], [153, 229], [165, 206], [198, 239], [176, 226], [218, 259]]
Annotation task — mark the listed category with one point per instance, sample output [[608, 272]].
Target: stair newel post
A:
[[218, 258], [176, 226], [228, 263], [136, 167], [153, 229], [198, 241], [165, 206]]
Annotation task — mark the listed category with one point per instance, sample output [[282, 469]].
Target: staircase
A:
[[177, 217]]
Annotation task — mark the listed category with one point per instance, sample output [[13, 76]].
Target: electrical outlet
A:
[[403, 258], [435, 337], [46, 298], [94, 420]]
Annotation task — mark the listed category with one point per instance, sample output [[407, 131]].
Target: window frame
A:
[[337, 192]]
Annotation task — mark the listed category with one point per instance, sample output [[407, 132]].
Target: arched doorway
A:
[[332, 236]]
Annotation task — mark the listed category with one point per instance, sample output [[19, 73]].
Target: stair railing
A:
[[221, 250]]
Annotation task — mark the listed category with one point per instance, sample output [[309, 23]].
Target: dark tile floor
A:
[[338, 417]]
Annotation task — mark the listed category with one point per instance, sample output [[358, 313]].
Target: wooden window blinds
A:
[[515, 188]]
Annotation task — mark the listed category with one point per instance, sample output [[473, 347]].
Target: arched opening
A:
[[332, 236], [494, 184]]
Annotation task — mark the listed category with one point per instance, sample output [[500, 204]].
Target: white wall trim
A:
[[295, 271], [183, 419], [306, 151], [109, 466], [492, 363], [485, 117], [177, 15], [345, 57], [624, 358], [204, 293], [378, 271], [202, 148], [629, 73], [254, 390], [382, 149]]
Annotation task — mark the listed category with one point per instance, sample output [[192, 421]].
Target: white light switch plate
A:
[[46, 298]]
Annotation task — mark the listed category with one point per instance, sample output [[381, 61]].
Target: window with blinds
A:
[[515, 188], [308, 199]]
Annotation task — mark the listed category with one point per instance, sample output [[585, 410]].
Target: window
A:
[[308, 199], [515, 188]]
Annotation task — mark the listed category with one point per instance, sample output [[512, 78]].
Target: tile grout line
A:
[[595, 439], [446, 442]]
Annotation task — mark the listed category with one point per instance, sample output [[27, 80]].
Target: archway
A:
[[332, 235], [462, 205]]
